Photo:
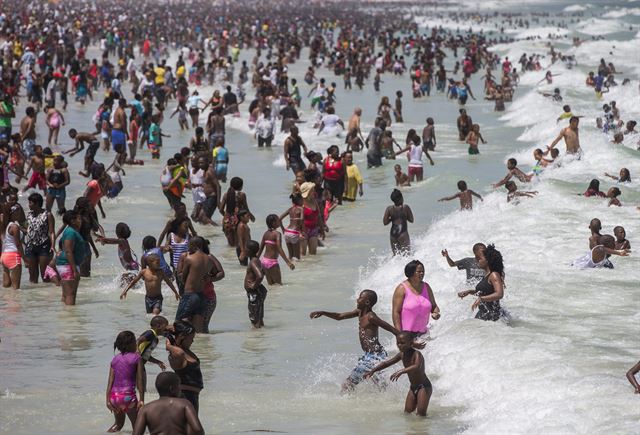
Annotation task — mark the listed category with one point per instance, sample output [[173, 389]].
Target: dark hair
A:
[[616, 192], [478, 246], [271, 221], [123, 231], [331, 148], [167, 381], [625, 178], [513, 161], [411, 267], [494, 259], [252, 248], [199, 131], [371, 295], [413, 137], [183, 328], [175, 224], [236, 183], [195, 244], [68, 217], [36, 198], [158, 321], [594, 184], [124, 340], [309, 175], [462, 185], [396, 197], [149, 242], [296, 198]]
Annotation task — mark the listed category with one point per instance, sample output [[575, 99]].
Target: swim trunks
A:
[[365, 363], [153, 302], [57, 193], [473, 151], [189, 306]]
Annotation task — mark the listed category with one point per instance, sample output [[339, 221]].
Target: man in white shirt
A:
[[265, 127]]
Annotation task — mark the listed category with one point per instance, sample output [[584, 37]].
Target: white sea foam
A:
[[568, 325]]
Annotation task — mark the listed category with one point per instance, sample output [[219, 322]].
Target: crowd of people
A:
[[45, 62]]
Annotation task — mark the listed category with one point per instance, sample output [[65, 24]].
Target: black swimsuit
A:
[[415, 389], [487, 310], [397, 229], [191, 376]]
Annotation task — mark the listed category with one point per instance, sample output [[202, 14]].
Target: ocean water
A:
[[558, 367]]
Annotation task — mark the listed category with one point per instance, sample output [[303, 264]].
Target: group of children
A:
[[171, 413]]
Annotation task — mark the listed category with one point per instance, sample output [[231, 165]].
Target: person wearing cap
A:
[[312, 218]]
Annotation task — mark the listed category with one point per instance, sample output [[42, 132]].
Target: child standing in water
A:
[[148, 341], [465, 196], [152, 275], [402, 179], [256, 292], [621, 241], [125, 376], [420, 390], [368, 324], [271, 244], [472, 139], [126, 256]]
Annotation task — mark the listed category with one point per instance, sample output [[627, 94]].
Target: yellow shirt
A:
[[159, 75], [354, 179], [565, 115]]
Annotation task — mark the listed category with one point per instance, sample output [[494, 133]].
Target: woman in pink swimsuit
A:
[[413, 301], [54, 120], [271, 245]]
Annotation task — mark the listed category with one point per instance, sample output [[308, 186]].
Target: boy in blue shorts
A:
[[369, 322]]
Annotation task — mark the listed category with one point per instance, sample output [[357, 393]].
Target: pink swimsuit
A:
[[415, 309], [268, 263]]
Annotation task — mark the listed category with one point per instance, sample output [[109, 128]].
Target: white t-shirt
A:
[[330, 121], [415, 156], [264, 127]]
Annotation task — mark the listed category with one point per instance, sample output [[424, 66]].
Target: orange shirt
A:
[[95, 192]]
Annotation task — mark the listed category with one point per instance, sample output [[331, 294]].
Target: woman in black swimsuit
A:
[[491, 289], [184, 362], [397, 215]]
